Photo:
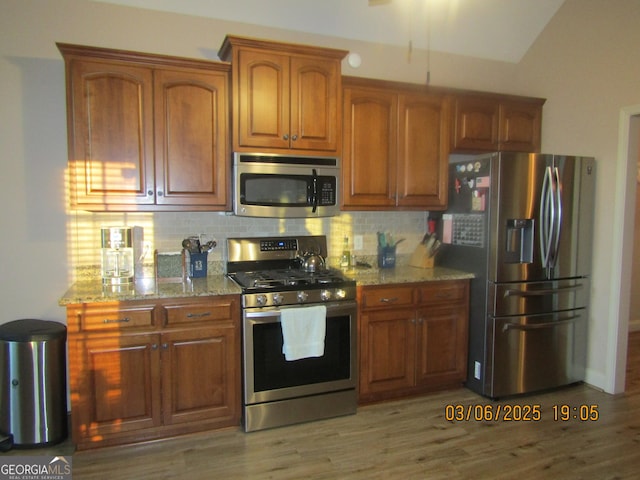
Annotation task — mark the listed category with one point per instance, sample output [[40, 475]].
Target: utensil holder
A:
[[386, 257], [198, 265]]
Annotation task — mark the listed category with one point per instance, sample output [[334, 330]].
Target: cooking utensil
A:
[[207, 247], [191, 244]]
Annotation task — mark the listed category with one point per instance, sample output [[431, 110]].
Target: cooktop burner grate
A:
[[288, 278]]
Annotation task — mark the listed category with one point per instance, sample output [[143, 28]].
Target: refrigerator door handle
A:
[[547, 291], [547, 217], [557, 192], [536, 326]]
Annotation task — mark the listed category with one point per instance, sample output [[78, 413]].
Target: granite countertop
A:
[[92, 290], [404, 274]]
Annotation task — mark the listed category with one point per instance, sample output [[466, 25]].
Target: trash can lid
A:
[[31, 330]]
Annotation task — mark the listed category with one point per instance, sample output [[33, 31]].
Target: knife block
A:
[[420, 257]]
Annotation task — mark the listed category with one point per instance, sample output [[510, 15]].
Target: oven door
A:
[[268, 376]]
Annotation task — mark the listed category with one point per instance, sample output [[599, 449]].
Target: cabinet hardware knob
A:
[[165, 346], [149, 193], [154, 346], [285, 136], [294, 138], [159, 193]]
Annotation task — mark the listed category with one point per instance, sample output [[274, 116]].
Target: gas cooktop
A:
[[282, 279], [269, 272]]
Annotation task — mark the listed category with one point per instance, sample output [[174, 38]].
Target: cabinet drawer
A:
[[439, 292], [386, 297], [106, 317], [179, 314]]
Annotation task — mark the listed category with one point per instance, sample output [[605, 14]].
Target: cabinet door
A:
[[111, 134], [200, 375], [520, 126], [369, 149], [315, 100], [262, 100], [387, 350], [441, 345], [423, 149], [475, 124], [115, 385], [191, 138]]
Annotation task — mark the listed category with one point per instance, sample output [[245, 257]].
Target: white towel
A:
[[303, 331]]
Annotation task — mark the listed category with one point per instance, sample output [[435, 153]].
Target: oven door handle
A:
[[263, 317], [314, 195]]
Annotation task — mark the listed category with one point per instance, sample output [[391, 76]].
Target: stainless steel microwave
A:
[[282, 186]]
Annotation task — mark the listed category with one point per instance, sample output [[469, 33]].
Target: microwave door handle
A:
[[314, 197]]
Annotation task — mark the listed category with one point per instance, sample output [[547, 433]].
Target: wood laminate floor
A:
[[407, 439]]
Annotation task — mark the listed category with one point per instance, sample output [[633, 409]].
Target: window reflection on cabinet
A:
[[146, 132], [143, 370]]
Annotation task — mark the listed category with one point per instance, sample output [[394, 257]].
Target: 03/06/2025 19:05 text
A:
[[519, 413]]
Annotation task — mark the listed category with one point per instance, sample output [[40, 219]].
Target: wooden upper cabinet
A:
[[146, 132], [370, 146], [476, 124], [492, 122], [395, 149], [110, 133], [423, 137], [520, 126], [285, 97], [191, 137]]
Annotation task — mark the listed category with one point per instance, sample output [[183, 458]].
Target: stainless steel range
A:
[[299, 331]]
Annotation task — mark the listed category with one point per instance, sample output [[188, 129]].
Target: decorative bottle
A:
[[345, 259]]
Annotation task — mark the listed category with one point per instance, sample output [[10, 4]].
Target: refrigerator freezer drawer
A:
[[528, 298], [535, 352]]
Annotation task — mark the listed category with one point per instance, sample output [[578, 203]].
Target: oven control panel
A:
[[298, 297], [277, 244]]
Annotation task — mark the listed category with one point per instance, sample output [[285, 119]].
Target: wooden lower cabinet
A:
[[132, 382], [413, 338]]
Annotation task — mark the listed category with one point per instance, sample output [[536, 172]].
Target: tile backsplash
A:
[[164, 231]]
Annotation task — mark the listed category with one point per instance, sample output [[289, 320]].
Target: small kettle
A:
[[312, 262]]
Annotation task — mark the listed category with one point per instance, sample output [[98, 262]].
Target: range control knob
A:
[[302, 296], [325, 295], [277, 298], [261, 300], [341, 294]]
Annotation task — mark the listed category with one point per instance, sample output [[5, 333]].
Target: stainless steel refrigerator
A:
[[522, 223]]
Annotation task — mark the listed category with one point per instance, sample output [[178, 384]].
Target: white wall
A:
[[585, 63]]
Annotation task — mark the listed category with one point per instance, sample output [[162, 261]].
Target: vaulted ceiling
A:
[[492, 29]]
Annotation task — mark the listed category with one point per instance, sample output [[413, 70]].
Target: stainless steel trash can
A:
[[33, 391]]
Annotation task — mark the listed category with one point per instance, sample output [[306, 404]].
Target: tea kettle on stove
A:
[[312, 262]]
